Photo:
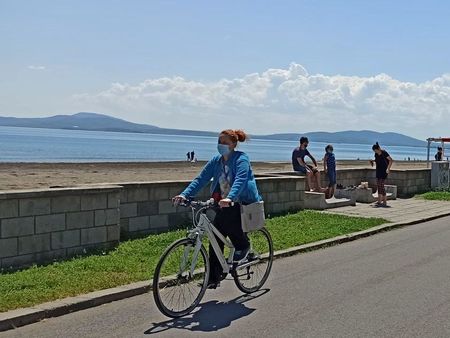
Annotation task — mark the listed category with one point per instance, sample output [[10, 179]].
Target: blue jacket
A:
[[243, 183]]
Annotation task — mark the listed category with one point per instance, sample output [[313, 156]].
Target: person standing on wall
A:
[[383, 162], [329, 167]]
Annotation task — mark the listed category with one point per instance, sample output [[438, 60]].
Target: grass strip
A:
[[436, 196], [135, 260]]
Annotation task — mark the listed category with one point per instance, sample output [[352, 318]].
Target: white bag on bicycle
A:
[[252, 216]]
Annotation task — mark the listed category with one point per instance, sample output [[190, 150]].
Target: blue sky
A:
[[60, 57]]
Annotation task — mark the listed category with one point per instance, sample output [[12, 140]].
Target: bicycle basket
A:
[[252, 216]]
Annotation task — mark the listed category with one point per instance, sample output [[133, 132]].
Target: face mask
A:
[[329, 151], [223, 149]]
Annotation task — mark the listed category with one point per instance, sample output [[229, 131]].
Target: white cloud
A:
[[33, 67], [282, 100]]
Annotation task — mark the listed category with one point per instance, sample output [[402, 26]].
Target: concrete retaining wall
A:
[[146, 207], [43, 225], [40, 226], [409, 182]]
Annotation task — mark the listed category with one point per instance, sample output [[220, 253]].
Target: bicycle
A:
[[181, 276]]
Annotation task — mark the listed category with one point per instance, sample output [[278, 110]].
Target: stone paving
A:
[[399, 210]]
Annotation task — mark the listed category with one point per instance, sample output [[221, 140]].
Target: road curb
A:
[[20, 317]]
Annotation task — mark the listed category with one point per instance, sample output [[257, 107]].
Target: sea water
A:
[[57, 145]]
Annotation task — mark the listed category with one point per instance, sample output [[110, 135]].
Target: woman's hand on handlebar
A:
[[225, 203], [178, 199]]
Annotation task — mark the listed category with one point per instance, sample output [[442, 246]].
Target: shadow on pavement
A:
[[210, 316]]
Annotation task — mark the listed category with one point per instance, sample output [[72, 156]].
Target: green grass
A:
[[135, 260], [436, 195]]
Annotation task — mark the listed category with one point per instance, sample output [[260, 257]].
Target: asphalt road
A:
[[394, 284]]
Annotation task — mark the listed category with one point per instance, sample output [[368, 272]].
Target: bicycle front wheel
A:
[[251, 275], [181, 278]]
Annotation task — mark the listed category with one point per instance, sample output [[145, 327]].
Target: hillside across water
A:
[[100, 122]]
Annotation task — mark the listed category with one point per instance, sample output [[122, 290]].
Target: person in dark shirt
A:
[[383, 162], [329, 167], [438, 156], [299, 165]]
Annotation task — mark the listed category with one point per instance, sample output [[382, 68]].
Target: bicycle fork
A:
[[188, 249]]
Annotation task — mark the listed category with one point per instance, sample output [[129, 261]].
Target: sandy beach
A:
[[45, 175]]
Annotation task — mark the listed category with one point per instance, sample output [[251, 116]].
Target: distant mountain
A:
[[93, 121], [83, 121], [354, 137], [100, 122]]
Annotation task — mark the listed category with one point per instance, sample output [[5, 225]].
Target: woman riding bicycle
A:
[[232, 181]]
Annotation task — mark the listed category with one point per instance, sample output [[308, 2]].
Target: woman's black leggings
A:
[[228, 222]]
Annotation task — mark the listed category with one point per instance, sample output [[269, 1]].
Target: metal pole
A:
[[428, 153]]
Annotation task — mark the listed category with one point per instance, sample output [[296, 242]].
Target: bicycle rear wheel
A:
[[176, 290], [251, 275]]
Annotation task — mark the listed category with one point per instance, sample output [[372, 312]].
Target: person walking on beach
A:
[[232, 181], [329, 167], [299, 165], [188, 155], [383, 163], [192, 155]]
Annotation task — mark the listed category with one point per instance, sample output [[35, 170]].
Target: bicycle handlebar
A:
[[200, 204]]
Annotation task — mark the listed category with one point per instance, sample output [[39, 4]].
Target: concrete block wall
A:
[[40, 226], [43, 225], [146, 207], [409, 182], [440, 175], [345, 177], [282, 194], [351, 177]]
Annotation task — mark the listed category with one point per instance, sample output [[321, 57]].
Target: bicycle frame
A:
[[204, 226], [182, 274]]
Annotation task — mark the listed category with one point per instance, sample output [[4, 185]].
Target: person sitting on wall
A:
[[439, 154], [299, 165]]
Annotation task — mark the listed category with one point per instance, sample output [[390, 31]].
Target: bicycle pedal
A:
[[252, 256], [213, 286]]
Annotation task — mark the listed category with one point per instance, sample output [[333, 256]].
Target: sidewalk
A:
[[400, 210]]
